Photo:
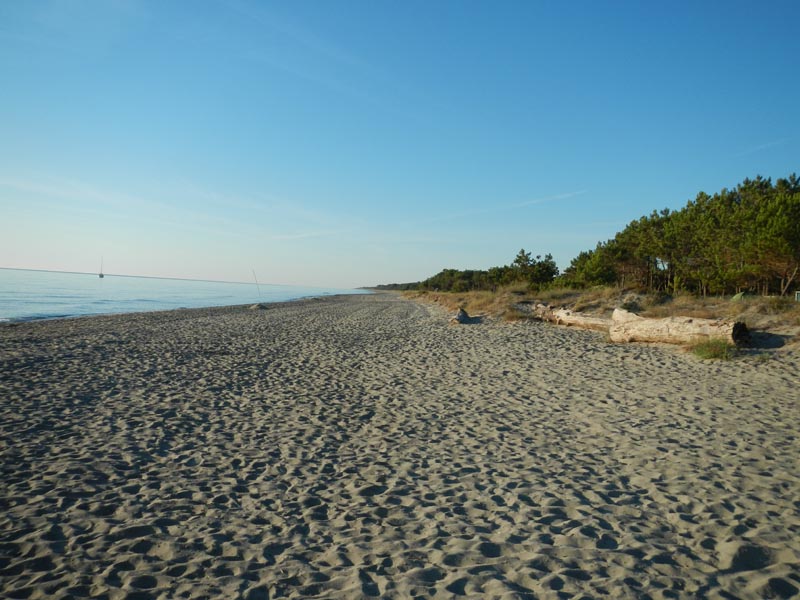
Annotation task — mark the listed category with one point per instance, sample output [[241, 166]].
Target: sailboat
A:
[[101, 268]]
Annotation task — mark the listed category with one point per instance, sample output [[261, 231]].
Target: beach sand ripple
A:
[[360, 447]]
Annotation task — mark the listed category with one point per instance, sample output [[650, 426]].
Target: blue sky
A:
[[353, 143]]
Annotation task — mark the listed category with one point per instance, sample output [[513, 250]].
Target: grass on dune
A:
[[713, 350], [757, 312], [477, 303]]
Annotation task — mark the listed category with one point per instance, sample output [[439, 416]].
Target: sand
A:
[[362, 447]]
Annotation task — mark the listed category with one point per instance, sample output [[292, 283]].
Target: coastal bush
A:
[[598, 298], [523, 274], [780, 304], [632, 306], [714, 350], [685, 305], [558, 295]]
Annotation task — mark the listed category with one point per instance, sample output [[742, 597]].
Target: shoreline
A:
[[358, 446], [11, 321], [37, 295]]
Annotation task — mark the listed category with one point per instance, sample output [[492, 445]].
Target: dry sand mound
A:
[[361, 447]]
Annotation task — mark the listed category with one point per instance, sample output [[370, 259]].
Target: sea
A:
[[28, 295]]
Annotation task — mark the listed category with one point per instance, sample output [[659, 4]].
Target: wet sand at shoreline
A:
[[359, 446]]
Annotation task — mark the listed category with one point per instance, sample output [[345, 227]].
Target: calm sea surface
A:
[[26, 295]]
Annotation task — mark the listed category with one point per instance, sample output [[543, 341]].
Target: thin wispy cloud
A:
[[762, 147], [262, 203], [36, 41], [315, 59], [302, 236], [549, 199], [72, 28], [65, 189], [319, 223], [504, 208], [301, 36], [85, 200], [82, 198], [323, 63]]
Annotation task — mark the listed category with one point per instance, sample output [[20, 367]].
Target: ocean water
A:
[[27, 295]]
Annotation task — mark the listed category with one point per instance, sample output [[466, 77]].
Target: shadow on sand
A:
[[766, 340], [462, 318]]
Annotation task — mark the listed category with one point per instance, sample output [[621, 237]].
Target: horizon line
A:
[[165, 278]]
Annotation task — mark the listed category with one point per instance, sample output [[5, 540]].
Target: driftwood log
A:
[[628, 327], [625, 326], [562, 316]]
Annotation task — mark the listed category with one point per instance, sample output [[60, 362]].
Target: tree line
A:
[[535, 271], [742, 239]]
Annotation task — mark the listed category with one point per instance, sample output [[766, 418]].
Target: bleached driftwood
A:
[[625, 326], [563, 316], [569, 318], [628, 327]]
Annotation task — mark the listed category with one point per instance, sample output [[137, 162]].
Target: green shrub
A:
[[714, 350], [631, 306]]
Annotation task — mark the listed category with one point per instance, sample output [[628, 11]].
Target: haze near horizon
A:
[[357, 143]]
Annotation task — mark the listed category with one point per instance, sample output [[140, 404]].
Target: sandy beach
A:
[[359, 446]]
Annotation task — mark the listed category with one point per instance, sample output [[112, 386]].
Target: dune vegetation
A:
[[746, 239], [733, 255]]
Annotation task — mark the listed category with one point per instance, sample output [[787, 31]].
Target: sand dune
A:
[[361, 447]]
